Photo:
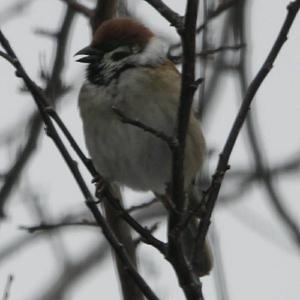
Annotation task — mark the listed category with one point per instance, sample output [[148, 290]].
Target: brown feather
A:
[[122, 30]]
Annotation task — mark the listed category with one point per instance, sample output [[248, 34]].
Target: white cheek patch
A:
[[154, 53]]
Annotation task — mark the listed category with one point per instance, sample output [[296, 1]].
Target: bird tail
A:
[[200, 259]]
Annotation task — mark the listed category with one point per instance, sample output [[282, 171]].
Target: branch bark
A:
[[188, 279], [260, 163], [175, 19]]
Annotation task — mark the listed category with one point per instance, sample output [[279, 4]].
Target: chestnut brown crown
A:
[[118, 45], [121, 31]]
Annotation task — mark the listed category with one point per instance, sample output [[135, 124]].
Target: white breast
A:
[[121, 152]]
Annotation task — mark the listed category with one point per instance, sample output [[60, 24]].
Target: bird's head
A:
[[117, 45]]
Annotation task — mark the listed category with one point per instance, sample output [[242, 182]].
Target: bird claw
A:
[[100, 185]]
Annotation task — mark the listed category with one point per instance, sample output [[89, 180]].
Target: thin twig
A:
[[55, 226], [212, 15], [68, 277], [53, 88], [177, 59], [8, 287], [171, 141], [204, 45], [175, 19], [215, 13], [219, 273], [218, 67], [261, 164], [120, 251], [86, 161], [151, 228], [290, 165], [106, 193], [141, 206], [148, 238], [79, 8], [187, 277], [220, 49]]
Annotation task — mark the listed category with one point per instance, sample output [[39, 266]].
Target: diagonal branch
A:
[[170, 15], [215, 13], [188, 279], [262, 168], [42, 103], [8, 287], [79, 8], [222, 166], [106, 195], [171, 141], [104, 10]]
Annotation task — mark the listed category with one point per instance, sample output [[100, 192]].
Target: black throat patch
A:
[[101, 75]]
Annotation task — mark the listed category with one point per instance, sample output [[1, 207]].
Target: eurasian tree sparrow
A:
[[128, 69]]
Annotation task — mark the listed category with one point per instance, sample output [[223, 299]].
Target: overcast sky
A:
[[258, 266]]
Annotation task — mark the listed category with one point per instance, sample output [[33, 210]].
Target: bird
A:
[[128, 72]]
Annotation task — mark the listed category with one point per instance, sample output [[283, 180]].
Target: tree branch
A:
[[215, 13], [261, 164], [104, 10], [8, 287], [175, 19], [79, 8], [171, 142], [222, 166]]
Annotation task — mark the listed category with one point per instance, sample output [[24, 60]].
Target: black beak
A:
[[91, 55]]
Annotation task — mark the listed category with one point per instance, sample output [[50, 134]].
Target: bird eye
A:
[[135, 49], [119, 55]]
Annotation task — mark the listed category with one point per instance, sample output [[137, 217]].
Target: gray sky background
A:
[[257, 267]]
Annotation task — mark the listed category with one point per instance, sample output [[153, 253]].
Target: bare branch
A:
[[86, 161], [151, 228], [261, 164], [8, 287], [220, 49], [16, 9], [171, 141], [141, 206], [13, 174], [222, 166], [170, 15], [106, 192], [177, 59], [79, 8], [148, 238], [35, 121], [69, 276], [215, 13], [55, 226]]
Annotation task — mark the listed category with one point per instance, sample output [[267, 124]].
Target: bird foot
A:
[[100, 185]]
